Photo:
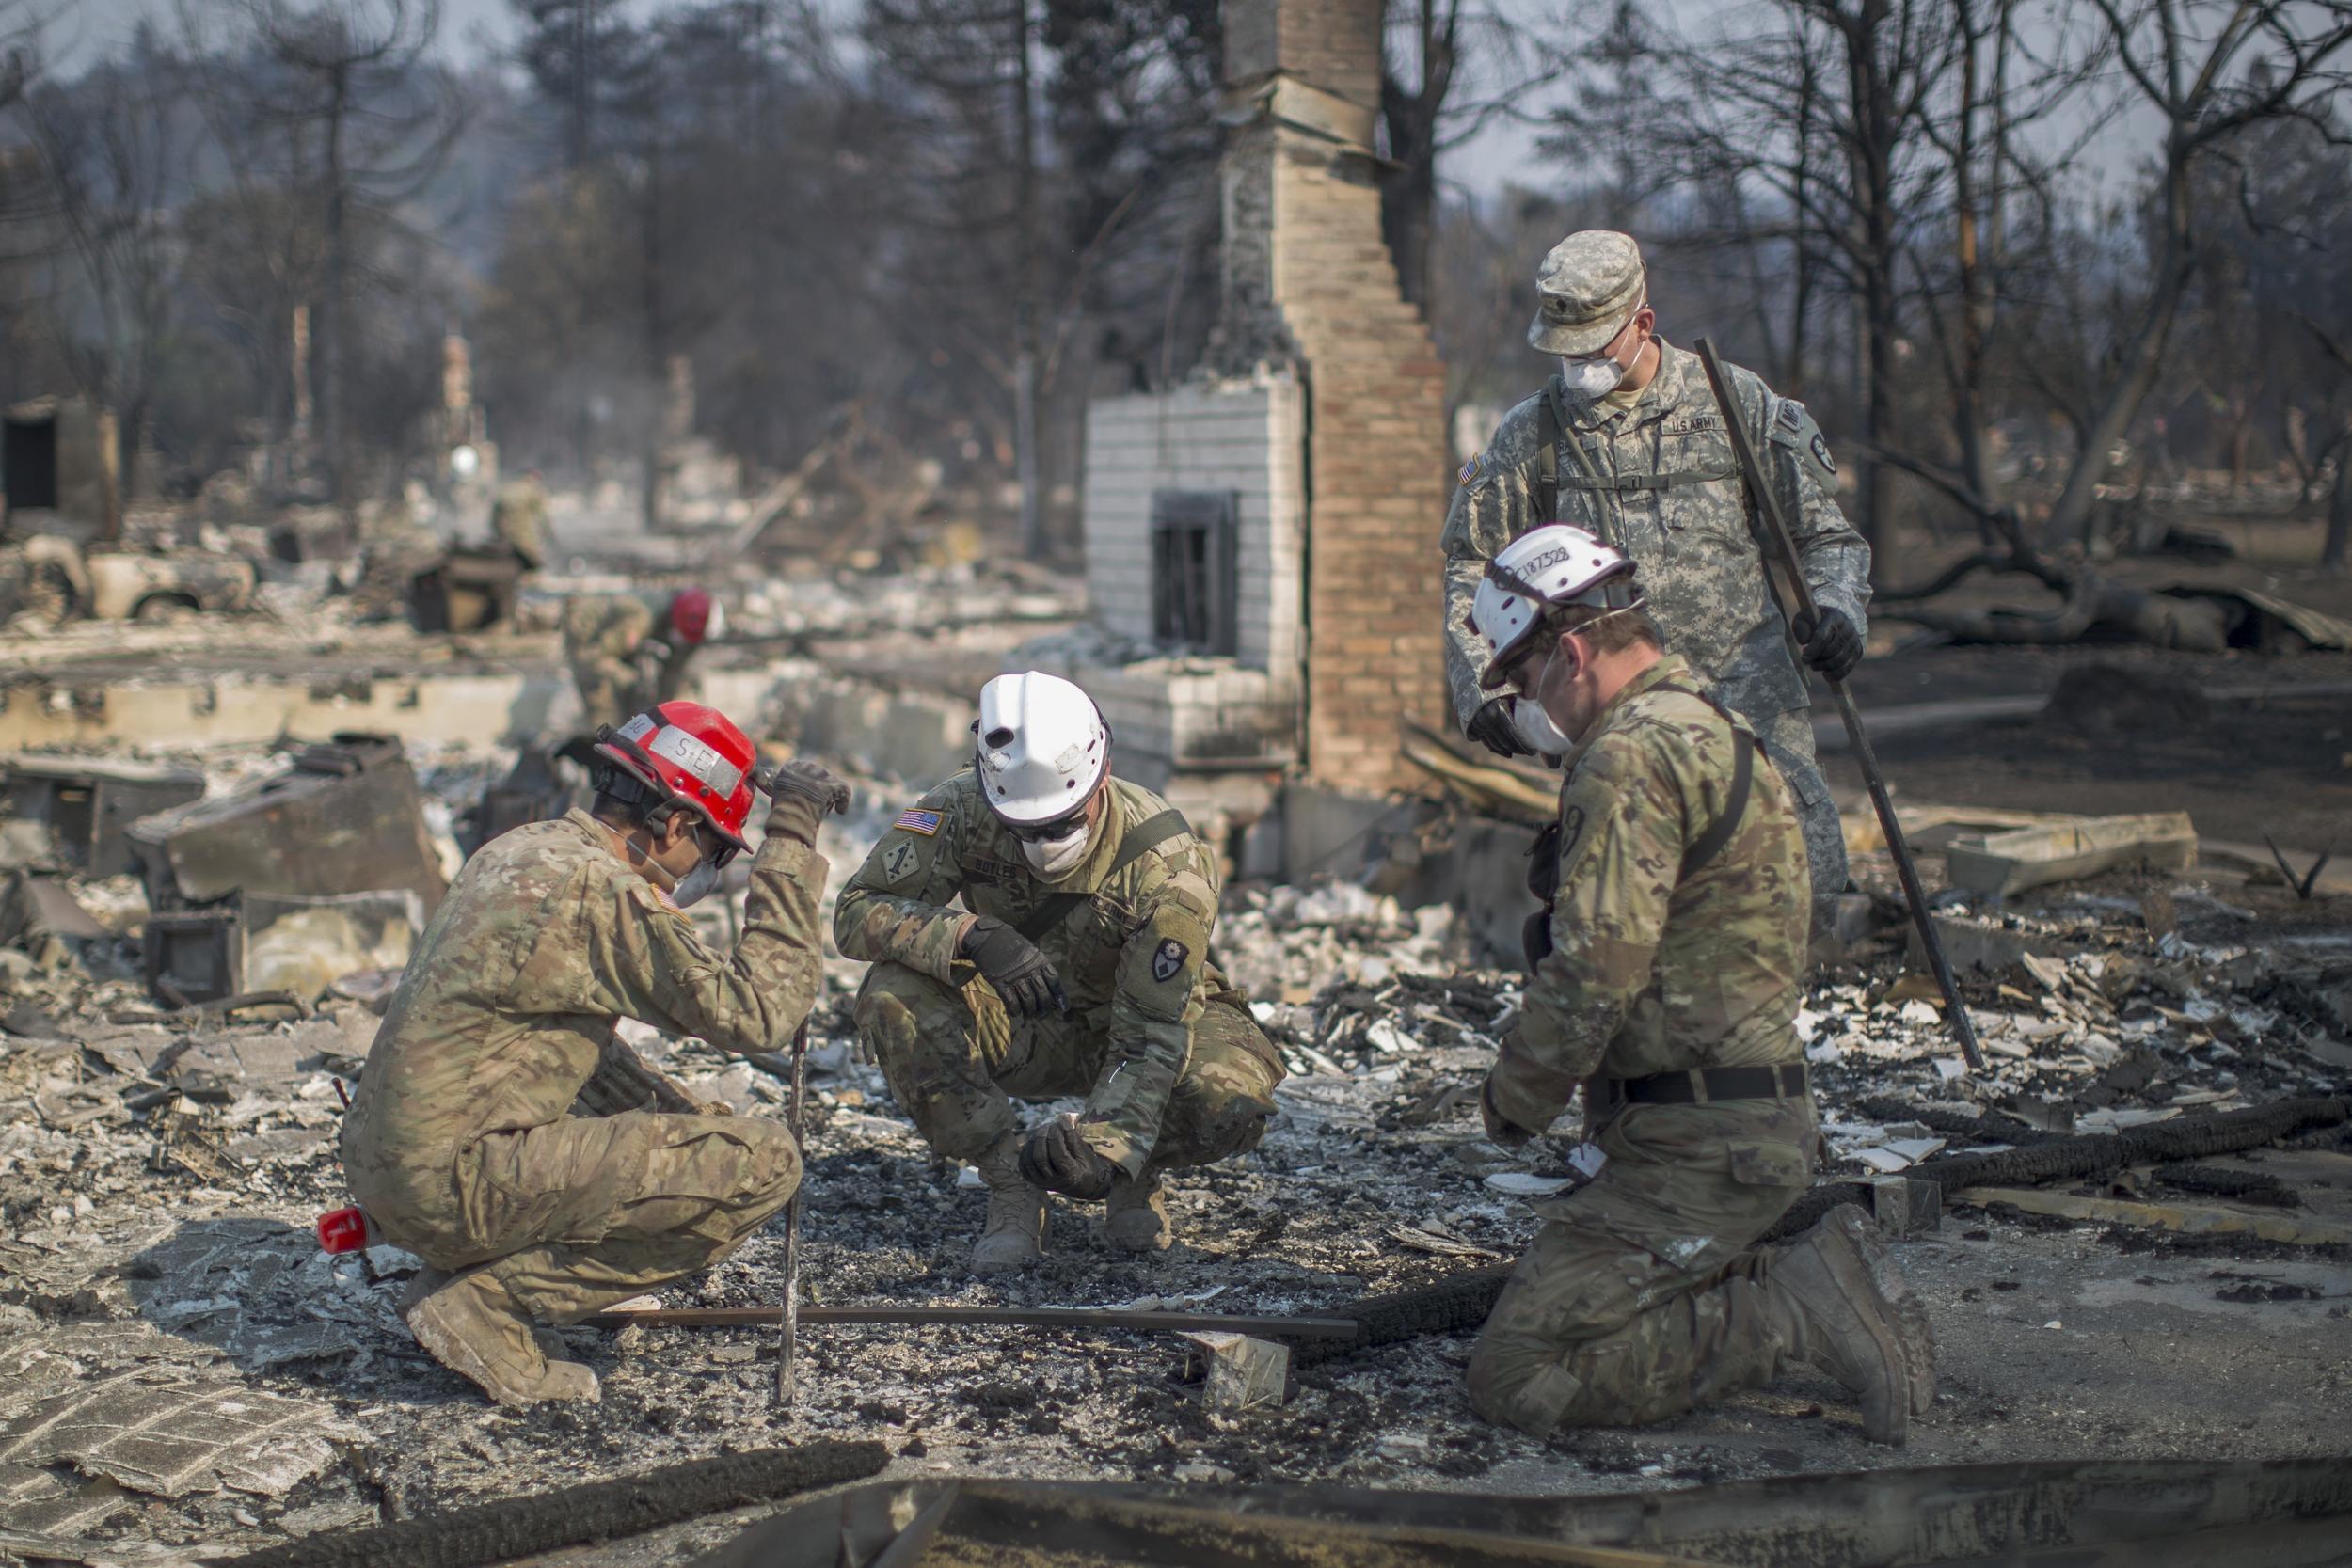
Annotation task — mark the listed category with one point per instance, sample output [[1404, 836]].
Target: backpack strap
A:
[[1148, 835], [1743, 747], [1555, 430]]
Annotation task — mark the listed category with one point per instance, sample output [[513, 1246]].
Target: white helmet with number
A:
[[1554, 565], [1041, 747]]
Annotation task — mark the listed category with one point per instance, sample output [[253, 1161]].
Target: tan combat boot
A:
[[1013, 1235], [1829, 1313], [1912, 1327], [474, 1328], [1136, 1214]]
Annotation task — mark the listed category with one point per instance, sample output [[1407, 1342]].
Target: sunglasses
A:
[[717, 850], [1045, 832]]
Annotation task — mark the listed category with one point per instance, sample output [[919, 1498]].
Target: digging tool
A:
[[789, 1318], [1778, 538], [1002, 1317]]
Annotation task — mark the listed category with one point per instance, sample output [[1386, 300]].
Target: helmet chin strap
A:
[[643, 863]]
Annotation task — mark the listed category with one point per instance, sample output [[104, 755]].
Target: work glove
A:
[[1508, 1133], [1058, 1158], [1491, 727], [1010, 962], [1832, 643], [799, 794]]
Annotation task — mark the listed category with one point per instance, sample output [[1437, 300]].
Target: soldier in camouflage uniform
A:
[[1077, 965], [619, 661], [1627, 443], [519, 519], [461, 1145], [1669, 991]]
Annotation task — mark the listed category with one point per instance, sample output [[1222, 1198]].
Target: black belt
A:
[[1707, 1084]]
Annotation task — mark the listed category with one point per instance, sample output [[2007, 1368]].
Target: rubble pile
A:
[[161, 1169]]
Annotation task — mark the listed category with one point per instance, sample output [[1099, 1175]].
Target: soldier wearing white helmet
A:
[[1075, 964], [1663, 979]]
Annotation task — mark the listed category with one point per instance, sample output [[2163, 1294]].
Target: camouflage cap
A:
[[1588, 287]]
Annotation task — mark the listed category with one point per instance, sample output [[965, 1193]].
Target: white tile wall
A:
[[1243, 436]]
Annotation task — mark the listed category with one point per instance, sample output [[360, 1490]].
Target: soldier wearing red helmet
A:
[[462, 1144], [623, 661]]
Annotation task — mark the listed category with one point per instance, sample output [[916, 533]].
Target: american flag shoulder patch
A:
[[1469, 470], [917, 821]]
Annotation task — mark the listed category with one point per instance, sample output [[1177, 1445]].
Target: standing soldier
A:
[[1076, 966], [620, 663], [519, 519], [460, 1145], [1627, 443], [1667, 985]]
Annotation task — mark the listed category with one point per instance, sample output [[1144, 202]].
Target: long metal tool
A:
[[1007, 1316], [1780, 539], [789, 1314]]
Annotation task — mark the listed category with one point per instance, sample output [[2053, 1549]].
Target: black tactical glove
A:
[[1058, 1158], [1011, 963], [1491, 727], [1832, 643], [799, 794], [1501, 1129]]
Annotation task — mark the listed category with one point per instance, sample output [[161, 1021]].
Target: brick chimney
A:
[[1262, 540], [1308, 283]]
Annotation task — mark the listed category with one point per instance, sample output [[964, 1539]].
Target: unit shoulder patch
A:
[[901, 862], [1821, 452], [1168, 959]]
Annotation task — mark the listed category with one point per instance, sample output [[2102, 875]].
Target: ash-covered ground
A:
[[181, 1365]]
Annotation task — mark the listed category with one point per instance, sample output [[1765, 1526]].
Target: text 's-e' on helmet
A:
[[687, 755]]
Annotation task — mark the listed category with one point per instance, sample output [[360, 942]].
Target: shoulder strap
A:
[[1554, 431], [1743, 745], [1147, 835]]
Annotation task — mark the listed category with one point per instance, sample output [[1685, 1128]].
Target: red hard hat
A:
[[689, 615], [694, 756]]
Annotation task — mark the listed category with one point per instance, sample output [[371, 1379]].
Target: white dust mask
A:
[[1537, 728], [1591, 379], [1055, 858], [696, 885]]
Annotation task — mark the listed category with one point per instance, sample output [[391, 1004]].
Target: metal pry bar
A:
[[1779, 539]]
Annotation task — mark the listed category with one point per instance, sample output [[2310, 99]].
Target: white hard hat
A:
[[1554, 565], [1041, 747]]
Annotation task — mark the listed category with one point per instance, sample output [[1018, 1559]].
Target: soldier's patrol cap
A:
[[1587, 289]]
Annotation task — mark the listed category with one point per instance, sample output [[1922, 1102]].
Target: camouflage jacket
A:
[[1653, 969], [1133, 956], [620, 665], [518, 517], [1657, 480], [544, 940]]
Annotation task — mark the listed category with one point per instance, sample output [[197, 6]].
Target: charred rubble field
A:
[[180, 1367]]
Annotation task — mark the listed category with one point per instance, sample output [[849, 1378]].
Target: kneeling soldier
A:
[[1666, 980], [1077, 965], [461, 1145]]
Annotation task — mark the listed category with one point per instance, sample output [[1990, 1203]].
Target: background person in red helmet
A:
[[623, 661], [461, 1144]]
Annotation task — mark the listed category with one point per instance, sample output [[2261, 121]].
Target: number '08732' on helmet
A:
[[1538, 571], [1040, 746]]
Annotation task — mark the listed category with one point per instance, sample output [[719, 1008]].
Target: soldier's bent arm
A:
[[1493, 504], [644, 961], [1153, 1007], [1621, 846], [1835, 557], [898, 908]]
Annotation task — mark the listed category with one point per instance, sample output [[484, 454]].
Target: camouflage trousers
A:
[[1790, 739], [582, 1212], [1641, 1297], [953, 1056]]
